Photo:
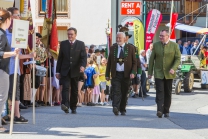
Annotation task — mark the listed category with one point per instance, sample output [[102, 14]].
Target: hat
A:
[[124, 29], [92, 46], [97, 50], [103, 50], [127, 34]]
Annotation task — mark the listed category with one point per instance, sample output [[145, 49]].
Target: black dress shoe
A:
[[74, 112], [159, 114], [115, 111], [146, 95], [21, 106], [36, 104], [135, 95], [3, 122], [123, 113], [64, 108], [166, 115]]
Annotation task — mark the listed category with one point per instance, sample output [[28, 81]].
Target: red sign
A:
[[154, 18], [131, 8]]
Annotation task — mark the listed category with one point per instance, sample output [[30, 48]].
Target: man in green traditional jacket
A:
[[165, 59]]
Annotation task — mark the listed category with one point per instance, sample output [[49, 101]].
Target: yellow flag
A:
[[138, 35], [45, 35]]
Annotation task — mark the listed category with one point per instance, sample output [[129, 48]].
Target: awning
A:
[[191, 29]]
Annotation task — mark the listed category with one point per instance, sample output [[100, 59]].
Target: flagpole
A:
[[33, 90], [206, 15], [14, 93], [50, 81], [171, 12]]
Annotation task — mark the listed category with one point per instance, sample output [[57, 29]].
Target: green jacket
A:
[[164, 58]]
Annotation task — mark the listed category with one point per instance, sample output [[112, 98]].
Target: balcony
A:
[[61, 8], [182, 7]]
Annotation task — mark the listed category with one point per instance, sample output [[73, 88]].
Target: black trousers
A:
[[70, 84], [143, 84], [120, 87], [163, 94], [22, 87]]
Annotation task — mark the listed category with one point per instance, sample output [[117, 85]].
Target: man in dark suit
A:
[[72, 60], [122, 67]]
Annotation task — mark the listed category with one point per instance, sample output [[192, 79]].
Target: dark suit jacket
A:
[[139, 67], [71, 58], [130, 63]]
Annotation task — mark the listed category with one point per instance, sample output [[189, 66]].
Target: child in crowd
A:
[[107, 92], [96, 90], [102, 70], [89, 82], [80, 85]]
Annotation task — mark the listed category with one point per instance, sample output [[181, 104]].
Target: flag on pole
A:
[[138, 34], [45, 31], [54, 33], [44, 5], [49, 8], [107, 51], [21, 6], [54, 40], [173, 23]]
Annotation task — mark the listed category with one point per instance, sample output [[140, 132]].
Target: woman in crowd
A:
[[5, 54]]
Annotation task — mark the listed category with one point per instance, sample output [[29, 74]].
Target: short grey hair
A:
[[142, 51], [124, 35]]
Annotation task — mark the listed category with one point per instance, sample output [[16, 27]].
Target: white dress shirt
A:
[[142, 62], [72, 41], [118, 66]]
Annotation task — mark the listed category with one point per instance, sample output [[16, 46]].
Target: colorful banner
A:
[[44, 33], [21, 6], [50, 5], [44, 5], [54, 40], [138, 34], [154, 18], [173, 23]]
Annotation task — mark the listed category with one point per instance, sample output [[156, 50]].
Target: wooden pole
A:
[[50, 82], [14, 93]]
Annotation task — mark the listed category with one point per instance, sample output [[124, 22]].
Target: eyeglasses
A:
[[16, 15], [70, 34], [162, 36]]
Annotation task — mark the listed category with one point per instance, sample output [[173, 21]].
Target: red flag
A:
[[50, 2], [173, 23], [54, 40], [154, 18]]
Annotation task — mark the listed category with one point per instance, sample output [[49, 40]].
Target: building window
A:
[[61, 8]]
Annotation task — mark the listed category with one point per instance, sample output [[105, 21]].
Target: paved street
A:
[[188, 120]]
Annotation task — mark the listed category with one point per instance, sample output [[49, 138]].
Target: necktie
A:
[[71, 43], [121, 56]]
